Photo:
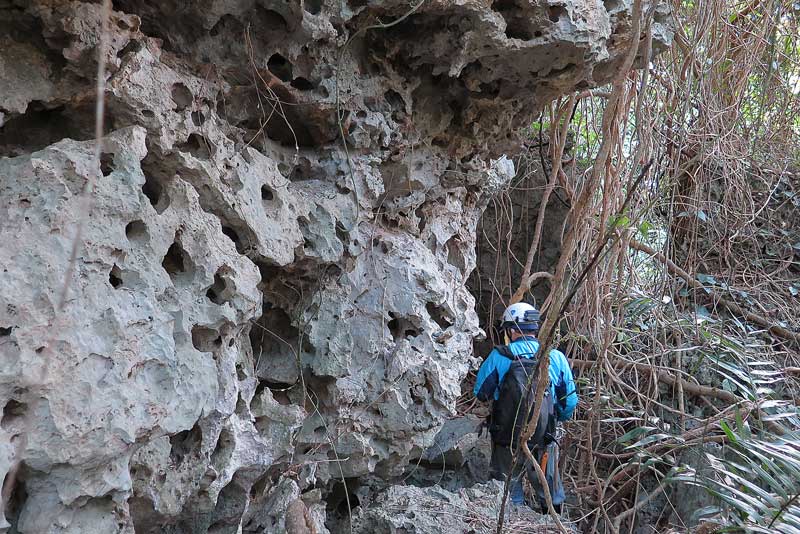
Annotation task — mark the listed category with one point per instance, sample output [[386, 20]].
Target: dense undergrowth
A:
[[676, 293]]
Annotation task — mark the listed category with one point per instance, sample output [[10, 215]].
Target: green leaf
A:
[[652, 438], [706, 278], [728, 432], [635, 433]]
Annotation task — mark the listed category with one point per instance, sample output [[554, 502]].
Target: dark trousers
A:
[[502, 457]]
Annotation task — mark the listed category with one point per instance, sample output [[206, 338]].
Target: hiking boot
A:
[[556, 507]]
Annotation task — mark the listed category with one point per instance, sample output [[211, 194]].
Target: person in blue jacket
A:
[[521, 324]]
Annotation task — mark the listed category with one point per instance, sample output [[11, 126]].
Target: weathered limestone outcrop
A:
[[269, 295]]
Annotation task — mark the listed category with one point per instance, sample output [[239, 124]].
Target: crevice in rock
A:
[[177, 261], [181, 96], [107, 163], [18, 497], [146, 520], [43, 125], [340, 493], [223, 450], [13, 412], [275, 341], [196, 145], [115, 277], [439, 315], [5, 330], [302, 84], [280, 67], [154, 177], [185, 443], [206, 339], [198, 118], [238, 242]]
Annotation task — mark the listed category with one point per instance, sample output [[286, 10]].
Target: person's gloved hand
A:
[[560, 432]]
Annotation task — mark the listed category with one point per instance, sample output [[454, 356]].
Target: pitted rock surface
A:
[[269, 293]]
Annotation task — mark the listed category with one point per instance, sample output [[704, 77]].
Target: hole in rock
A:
[[342, 493], [13, 412], [106, 163], [40, 127], [115, 277], [454, 255], [205, 339], [220, 292], [491, 89], [181, 96], [279, 390], [198, 118], [280, 67], [270, 20], [517, 30], [196, 145], [610, 5], [438, 315], [152, 190], [266, 193], [136, 231], [5, 330], [296, 128], [233, 235], [260, 487], [396, 103], [518, 22], [313, 6], [554, 13], [275, 343], [154, 177], [130, 48], [302, 84], [537, 34], [223, 450], [148, 114], [241, 375], [400, 327], [176, 261], [225, 22], [17, 499], [185, 443]]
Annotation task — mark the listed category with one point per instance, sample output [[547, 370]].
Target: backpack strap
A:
[[505, 350]]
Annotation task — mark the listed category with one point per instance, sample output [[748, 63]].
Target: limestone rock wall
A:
[[269, 294]]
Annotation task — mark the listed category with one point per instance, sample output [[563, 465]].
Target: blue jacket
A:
[[562, 384]]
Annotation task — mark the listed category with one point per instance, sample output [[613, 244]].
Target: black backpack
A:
[[516, 400]]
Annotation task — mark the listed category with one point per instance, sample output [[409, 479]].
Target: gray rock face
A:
[[269, 294], [474, 510]]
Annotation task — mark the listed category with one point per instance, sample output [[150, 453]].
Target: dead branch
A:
[[731, 306]]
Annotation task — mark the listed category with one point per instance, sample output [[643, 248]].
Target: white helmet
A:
[[521, 316]]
